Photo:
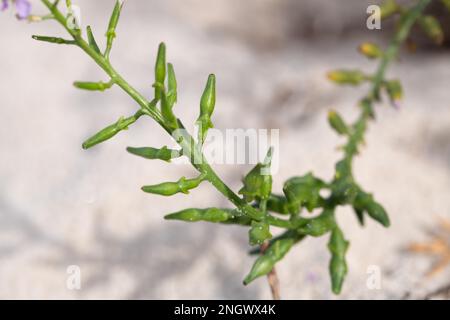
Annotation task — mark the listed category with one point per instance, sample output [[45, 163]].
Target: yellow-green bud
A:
[[432, 28], [337, 123], [170, 188], [370, 50], [352, 77], [389, 8]]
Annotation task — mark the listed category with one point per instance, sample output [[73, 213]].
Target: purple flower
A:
[[23, 8], [4, 5]]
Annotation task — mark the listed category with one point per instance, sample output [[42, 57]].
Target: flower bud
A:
[[432, 28], [164, 153], [394, 90], [170, 188], [113, 21], [207, 104], [338, 247], [370, 50], [351, 77], [265, 263], [337, 123], [389, 8]]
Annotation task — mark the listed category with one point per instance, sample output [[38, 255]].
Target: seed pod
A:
[[160, 70], [172, 94], [389, 8], [209, 215], [351, 77], [93, 86], [370, 50], [303, 191], [207, 104], [164, 153], [337, 123], [91, 40], [53, 40], [111, 131], [170, 188], [278, 204], [259, 232], [258, 182], [365, 202], [111, 32], [338, 247], [265, 263], [432, 27], [317, 227]]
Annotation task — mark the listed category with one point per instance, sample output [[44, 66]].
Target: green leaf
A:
[[303, 191], [170, 188], [164, 153], [259, 232], [278, 204], [110, 131], [265, 263], [207, 104], [53, 40], [338, 247]]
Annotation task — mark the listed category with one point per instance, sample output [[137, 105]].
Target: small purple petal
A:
[[4, 5], [23, 8]]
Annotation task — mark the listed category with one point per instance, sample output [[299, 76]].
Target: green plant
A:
[[258, 208]]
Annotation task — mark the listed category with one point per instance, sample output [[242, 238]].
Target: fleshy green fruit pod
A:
[[432, 28], [370, 50], [338, 247], [111, 131], [164, 153], [209, 215], [317, 227], [172, 94], [303, 191], [337, 123], [257, 183], [389, 8], [351, 77], [93, 86], [278, 204], [160, 70], [170, 188], [91, 40], [207, 104], [113, 21], [365, 202], [259, 232], [53, 40], [265, 263]]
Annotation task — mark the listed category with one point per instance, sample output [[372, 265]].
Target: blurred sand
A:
[[61, 206]]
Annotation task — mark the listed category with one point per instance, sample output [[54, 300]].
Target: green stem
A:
[[190, 149]]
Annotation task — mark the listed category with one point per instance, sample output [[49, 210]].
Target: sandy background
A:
[[62, 206]]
